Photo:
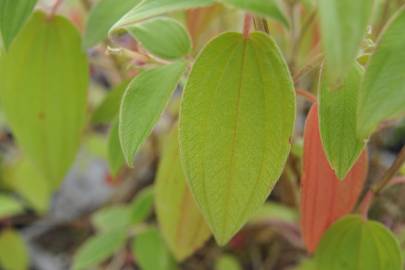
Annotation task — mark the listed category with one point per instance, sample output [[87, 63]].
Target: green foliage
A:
[[13, 15], [115, 156], [353, 243], [43, 90], [181, 223], [102, 17], [338, 120], [143, 102], [382, 94], [9, 206], [275, 211], [141, 206], [164, 37], [236, 119], [343, 26], [112, 218], [151, 252], [13, 253], [98, 248], [227, 262]]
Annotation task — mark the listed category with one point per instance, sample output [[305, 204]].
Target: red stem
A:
[[247, 25], [310, 97], [55, 7]]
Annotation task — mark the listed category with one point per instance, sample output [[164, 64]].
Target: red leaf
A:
[[324, 198]]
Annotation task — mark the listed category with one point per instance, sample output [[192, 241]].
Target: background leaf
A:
[[234, 133], [163, 37], [181, 222], [382, 94], [142, 205], [111, 218], [343, 26], [143, 102], [358, 244], [13, 15], [116, 158], [45, 102], [324, 198], [13, 252], [9, 206], [338, 120]]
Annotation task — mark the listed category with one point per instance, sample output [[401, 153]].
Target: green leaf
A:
[[163, 37], [181, 222], [13, 15], [353, 243], [116, 158], [151, 252], [141, 206], [13, 252], [275, 211], [112, 218], [108, 110], [343, 26], [98, 248], [267, 8], [382, 93], [102, 17], [43, 90], [237, 116], [9, 206], [150, 8], [338, 120], [143, 102], [227, 262]]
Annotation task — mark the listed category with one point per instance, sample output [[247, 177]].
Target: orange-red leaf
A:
[[324, 198]]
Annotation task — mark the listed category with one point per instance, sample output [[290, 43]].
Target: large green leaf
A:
[[338, 120], [43, 91], [163, 37], [150, 8], [151, 252], [237, 116], [143, 102], [13, 15], [9, 206], [343, 26], [98, 248], [353, 243], [181, 222], [102, 17], [382, 94], [13, 252], [267, 8]]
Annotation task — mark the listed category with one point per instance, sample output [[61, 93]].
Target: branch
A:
[[247, 25]]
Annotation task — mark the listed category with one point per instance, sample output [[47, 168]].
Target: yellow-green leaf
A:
[[43, 91], [382, 94], [353, 243], [142, 104], [164, 37], [343, 26], [13, 252], [9, 206], [338, 120], [237, 116], [181, 222]]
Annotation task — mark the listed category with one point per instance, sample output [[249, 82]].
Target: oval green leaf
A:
[[163, 37], [9, 206], [353, 243], [338, 120], [181, 222], [382, 94], [43, 90], [141, 206], [343, 26], [142, 104], [13, 15], [102, 16], [237, 116], [13, 252]]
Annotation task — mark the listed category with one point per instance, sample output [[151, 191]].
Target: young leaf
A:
[[343, 26], [116, 158], [382, 93], [13, 15], [142, 104], [9, 206], [150, 8], [268, 8], [98, 248], [151, 252], [43, 82], [112, 218], [338, 120], [102, 17], [141, 206], [353, 243], [163, 37], [237, 116], [324, 198], [13, 252], [181, 222]]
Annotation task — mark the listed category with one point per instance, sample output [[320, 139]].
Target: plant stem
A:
[[247, 25], [310, 97], [55, 7]]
